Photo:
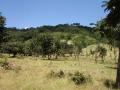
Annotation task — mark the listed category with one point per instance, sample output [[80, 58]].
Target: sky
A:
[[34, 13]]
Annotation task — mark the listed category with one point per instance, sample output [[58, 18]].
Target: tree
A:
[[102, 52], [79, 44], [28, 48], [2, 23], [113, 17], [47, 45], [113, 21], [56, 47], [13, 48]]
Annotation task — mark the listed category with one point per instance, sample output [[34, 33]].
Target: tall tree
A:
[[2, 23], [113, 21], [113, 17], [47, 45]]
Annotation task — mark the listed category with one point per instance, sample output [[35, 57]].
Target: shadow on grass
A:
[[111, 84], [54, 59], [110, 67], [65, 59]]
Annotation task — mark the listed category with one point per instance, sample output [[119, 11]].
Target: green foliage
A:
[[28, 48], [113, 17], [2, 32], [46, 45], [113, 23], [12, 48], [57, 47], [48, 40]]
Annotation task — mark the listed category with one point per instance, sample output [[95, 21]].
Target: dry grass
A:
[[33, 75], [34, 71]]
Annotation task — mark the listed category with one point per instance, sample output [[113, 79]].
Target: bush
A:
[[79, 78], [59, 74]]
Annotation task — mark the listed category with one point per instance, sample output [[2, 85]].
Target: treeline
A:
[[50, 41]]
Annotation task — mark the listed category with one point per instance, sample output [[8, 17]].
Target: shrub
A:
[[79, 78], [59, 74]]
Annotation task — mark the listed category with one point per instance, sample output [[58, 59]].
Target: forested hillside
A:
[[49, 40]]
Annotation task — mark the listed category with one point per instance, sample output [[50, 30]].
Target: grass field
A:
[[34, 74]]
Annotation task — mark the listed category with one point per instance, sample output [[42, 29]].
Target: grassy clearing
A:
[[34, 71]]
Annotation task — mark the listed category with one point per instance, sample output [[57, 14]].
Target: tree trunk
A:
[[118, 71], [49, 56], [96, 57], [56, 56], [14, 54], [102, 59], [115, 55]]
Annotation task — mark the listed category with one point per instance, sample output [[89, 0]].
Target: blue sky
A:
[[33, 13]]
